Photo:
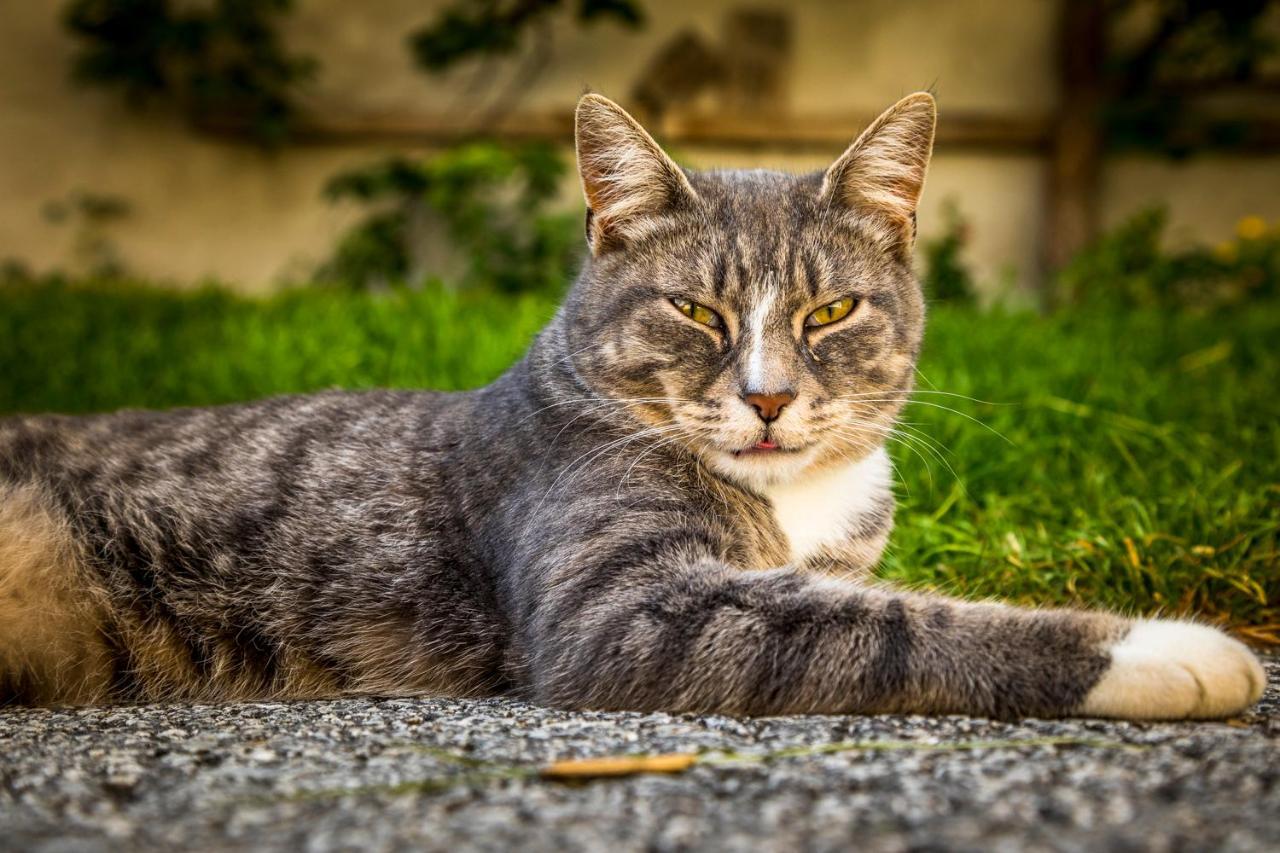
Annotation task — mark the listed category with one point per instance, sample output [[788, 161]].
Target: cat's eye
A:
[[828, 314], [698, 313]]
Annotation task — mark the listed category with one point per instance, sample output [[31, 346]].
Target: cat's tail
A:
[[53, 646]]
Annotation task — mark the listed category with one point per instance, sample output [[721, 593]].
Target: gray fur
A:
[[573, 533]]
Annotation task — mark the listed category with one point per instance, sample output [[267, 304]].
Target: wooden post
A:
[[1075, 155]]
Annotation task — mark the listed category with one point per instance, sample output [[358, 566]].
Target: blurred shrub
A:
[[213, 61], [946, 277], [1130, 267], [1162, 56], [468, 29], [488, 201], [90, 217]]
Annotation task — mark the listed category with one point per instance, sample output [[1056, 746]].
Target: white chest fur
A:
[[823, 508]]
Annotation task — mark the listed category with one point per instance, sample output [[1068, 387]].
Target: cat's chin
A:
[[758, 470]]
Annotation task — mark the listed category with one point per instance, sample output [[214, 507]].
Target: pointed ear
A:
[[881, 175], [628, 180]]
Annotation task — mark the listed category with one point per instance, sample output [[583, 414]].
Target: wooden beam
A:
[[826, 133], [957, 131]]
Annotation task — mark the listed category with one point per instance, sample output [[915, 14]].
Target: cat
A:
[[673, 502]]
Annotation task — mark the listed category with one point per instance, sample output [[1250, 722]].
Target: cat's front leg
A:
[[1171, 670], [1150, 669], [653, 625]]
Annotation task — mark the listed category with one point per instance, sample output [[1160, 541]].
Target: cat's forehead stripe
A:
[[761, 317], [752, 266]]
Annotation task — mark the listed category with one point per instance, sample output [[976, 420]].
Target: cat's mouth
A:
[[765, 461], [764, 447]]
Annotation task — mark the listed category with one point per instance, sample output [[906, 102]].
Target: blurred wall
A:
[[206, 207]]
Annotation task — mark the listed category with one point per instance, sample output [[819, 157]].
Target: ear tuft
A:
[[882, 173], [627, 179]]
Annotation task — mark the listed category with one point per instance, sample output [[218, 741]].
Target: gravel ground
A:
[[449, 775]]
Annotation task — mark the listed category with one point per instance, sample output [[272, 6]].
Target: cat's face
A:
[[768, 323]]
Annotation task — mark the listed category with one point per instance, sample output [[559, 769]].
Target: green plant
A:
[[217, 61], [1130, 266], [946, 277], [484, 31], [490, 203], [495, 27], [90, 216], [1162, 54]]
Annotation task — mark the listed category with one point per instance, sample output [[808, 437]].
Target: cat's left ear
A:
[[629, 182], [881, 175]]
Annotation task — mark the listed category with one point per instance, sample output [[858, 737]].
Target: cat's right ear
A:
[[629, 182]]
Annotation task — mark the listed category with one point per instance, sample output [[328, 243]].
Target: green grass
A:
[[1127, 460]]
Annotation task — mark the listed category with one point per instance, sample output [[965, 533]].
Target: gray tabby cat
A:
[[672, 502]]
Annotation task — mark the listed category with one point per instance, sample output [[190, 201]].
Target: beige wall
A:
[[208, 208], [1206, 195]]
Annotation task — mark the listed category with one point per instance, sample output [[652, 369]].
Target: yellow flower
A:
[[1226, 252], [1251, 227]]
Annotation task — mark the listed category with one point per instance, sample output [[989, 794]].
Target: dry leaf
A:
[[620, 765]]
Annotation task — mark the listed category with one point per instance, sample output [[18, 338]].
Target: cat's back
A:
[[241, 441], [288, 484]]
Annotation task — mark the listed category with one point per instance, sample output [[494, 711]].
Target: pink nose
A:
[[769, 406]]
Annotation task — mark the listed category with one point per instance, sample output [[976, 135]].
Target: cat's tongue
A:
[[765, 446]]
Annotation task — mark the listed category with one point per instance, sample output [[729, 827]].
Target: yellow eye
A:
[[698, 313], [828, 314]]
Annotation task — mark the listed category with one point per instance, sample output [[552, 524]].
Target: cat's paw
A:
[[1167, 670]]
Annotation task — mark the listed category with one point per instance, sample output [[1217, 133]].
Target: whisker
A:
[[907, 438], [941, 407], [665, 442], [586, 458], [890, 435], [916, 391]]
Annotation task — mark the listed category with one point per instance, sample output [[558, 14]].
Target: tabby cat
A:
[[673, 501]]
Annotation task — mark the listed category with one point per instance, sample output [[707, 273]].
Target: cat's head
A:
[[767, 322]]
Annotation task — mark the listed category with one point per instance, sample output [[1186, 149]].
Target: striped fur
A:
[[611, 524]]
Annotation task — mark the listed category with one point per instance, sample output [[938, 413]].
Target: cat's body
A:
[[364, 542], [672, 502]]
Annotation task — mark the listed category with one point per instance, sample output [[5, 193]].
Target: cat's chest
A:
[[834, 507]]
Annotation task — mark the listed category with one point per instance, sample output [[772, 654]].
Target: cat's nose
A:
[[769, 406]]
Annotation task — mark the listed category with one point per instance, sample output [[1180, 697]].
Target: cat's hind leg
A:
[[52, 644]]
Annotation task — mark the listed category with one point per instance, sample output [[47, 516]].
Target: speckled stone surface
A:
[[449, 775]]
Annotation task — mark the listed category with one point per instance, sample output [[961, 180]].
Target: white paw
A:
[[1166, 670]]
